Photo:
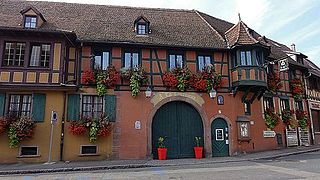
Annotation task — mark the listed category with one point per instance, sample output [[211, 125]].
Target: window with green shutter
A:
[[38, 107], [73, 107], [2, 103], [110, 107]]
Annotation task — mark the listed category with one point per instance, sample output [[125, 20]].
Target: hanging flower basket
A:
[[302, 118], [288, 118], [272, 119], [20, 130], [95, 127], [3, 124], [274, 82], [137, 77], [297, 89], [88, 78]]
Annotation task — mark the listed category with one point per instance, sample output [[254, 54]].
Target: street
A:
[[302, 166]]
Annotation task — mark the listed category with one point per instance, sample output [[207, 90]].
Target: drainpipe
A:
[[62, 125]]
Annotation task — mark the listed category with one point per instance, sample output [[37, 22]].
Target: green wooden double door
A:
[[179, 123]]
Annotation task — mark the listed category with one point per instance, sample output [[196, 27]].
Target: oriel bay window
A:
[[92, 106], [203, 61], [14, 54], [175, 61], [40, 55], [248, 58], [131, 60]]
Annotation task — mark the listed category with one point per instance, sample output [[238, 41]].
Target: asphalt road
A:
[[303, 166]]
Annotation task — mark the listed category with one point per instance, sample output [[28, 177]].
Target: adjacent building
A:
[[50, 51]]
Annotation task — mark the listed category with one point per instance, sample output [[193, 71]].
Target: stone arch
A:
[[190, 101]]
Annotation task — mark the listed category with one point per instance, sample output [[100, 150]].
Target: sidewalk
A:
[[28, 168]]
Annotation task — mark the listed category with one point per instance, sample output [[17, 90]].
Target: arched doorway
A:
[[180, 123], [220, 138]]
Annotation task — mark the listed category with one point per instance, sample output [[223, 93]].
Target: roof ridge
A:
[[112, 6], [197, 12]]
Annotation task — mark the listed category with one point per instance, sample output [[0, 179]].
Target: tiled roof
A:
[[314, 69], [115, 24], [239, 35], [183, 28]]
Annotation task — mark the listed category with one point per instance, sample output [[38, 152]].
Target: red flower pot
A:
[[198, 152], [162, 153]]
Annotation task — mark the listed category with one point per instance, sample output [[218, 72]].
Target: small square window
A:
[[30, 22], [88, 149], [29, 151], [142, 29]]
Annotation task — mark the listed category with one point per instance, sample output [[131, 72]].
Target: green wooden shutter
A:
[[2, 103], [73, 107], [110, 106], [38, 108]]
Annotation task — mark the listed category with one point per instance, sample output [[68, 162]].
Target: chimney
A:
[[293, 47]]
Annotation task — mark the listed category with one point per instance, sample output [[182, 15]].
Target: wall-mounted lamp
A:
[[213, 93], [148, 92]]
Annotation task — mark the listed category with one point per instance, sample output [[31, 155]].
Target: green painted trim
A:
[[73, 107], [2, 103], [38, 107]]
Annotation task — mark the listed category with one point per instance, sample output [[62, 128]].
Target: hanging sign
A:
[[283, 65]]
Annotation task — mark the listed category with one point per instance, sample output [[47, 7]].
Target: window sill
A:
[[84, 155], [28, 156]]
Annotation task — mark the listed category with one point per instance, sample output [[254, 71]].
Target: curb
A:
[[136, 166]]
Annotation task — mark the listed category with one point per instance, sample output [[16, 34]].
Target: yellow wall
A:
[[54, 102]]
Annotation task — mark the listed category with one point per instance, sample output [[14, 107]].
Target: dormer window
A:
[[142, 26], [32, 18], [30, 22]]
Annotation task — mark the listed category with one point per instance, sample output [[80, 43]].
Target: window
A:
[[292, 74], [88, 149], [131, 60], [29, 151], [203, 61], [268, 102], [19, 104], [14, 54], [40, 55], [243, 129], [248, 58], [315, 120], [102, 60], [92, 106], [247, 108], [298, 105], [175, 61], [30, 22], [142, 29], [284, 104]]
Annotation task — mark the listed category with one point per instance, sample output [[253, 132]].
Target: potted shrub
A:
[[302, 117], [198, 149], [272, 119], [162, 150]]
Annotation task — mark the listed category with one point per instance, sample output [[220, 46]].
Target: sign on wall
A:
[[283, 65], [269, 134]]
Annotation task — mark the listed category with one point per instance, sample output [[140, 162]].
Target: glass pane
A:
[[127, 60], [45, 55], [9, 54], [179, 61], [141, 29], [172, 63], [135, 59], [249, 61], [20, 50], [97, 62], [200, 63], [35, 56], [105, 61], [207, 60], [243, 58]]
